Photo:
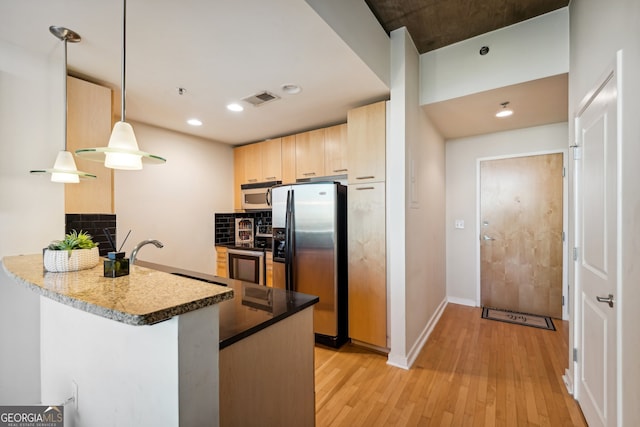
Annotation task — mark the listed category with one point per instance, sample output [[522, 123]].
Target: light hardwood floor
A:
[[471, 372]]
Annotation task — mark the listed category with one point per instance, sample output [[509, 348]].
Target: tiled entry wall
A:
[[225, 224], [93, 224]]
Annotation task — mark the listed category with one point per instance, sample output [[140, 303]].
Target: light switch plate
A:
[[459, 223]]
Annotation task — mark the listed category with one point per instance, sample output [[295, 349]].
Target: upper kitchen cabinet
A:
[[88, 125], [271, 159], [259, 162], [252, 164], [239, 154], [310, 154], [366, 140], [335, 150], [288, 159]]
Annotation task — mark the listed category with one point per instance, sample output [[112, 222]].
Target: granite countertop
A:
[[143, 297], [253, 308]]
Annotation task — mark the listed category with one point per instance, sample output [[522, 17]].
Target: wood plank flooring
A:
[[471, 372]]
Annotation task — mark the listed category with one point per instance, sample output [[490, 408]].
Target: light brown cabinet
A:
[[88, 125], [271, 159], [310, 154], [316, 153], [335, 150], [259, 162], [221, 261], [268, 269], [252, 163], [367, 263], [366, 143], [239, 155], [289, 159]]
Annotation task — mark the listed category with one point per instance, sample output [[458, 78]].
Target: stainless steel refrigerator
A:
[[310, 251]]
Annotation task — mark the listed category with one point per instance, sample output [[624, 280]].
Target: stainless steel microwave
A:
[[257, 196]]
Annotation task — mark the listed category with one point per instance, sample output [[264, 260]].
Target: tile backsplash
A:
[[225, 224], [93, 224]]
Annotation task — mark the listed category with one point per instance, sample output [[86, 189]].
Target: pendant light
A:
[[122, 151], [64, 169]]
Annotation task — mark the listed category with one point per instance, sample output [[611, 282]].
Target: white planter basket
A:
[[79, 259]]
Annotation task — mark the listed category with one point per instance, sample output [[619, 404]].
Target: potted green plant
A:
[[77, 251]]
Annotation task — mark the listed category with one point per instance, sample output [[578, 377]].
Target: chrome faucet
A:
[[134, 252]]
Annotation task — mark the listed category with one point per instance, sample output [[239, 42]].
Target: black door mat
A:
[[533, 320]]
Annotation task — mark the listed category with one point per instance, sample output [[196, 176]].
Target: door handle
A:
[[608, 300], [485, 237]]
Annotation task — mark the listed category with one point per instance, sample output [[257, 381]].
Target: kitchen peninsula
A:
[[143, 349]]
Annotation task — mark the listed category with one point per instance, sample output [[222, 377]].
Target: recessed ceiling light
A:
[[194, 122], [504, 111], [235, 107], [291, 89]]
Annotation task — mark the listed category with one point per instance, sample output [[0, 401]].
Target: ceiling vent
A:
[[260, 98]]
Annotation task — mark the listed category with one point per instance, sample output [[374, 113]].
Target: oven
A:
[[246, 264]]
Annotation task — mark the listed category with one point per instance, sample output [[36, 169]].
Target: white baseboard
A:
[[462, 301], [405, 362]]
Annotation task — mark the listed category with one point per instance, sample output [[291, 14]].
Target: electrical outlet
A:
[[74, 394], [459, 223]]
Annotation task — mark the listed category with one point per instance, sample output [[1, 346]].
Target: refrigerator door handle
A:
[[289, 283]]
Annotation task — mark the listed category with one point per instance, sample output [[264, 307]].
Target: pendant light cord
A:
[[124, 59], [66, 107]]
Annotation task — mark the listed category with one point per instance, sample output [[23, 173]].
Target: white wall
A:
[[415, 206], [529, 50], [31, 207], [175, 202], [461, 200], [354, 22], [158, 375], [598, 30]]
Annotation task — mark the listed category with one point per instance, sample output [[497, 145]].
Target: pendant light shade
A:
[[124, 140], [64, 169], [122, 151]]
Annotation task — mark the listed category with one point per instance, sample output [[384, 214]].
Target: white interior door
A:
[[596, 254]]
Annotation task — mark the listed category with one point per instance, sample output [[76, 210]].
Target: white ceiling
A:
[[534, 103], [223, 51], [220, 51]]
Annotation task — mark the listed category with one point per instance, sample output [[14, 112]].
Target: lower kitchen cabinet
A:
[[268, 269], [267, 379], [367, 264], [221, 261]]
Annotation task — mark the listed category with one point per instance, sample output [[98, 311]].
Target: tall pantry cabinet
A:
[[88, 125], [366, 147]]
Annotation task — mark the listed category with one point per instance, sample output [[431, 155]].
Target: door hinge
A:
[[577, 152], [575, 254], [563, 236], [563, 300], [575, 354], [564, 172]]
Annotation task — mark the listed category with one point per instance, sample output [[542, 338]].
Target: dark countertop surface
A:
[[247, 248], [253, 307]]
